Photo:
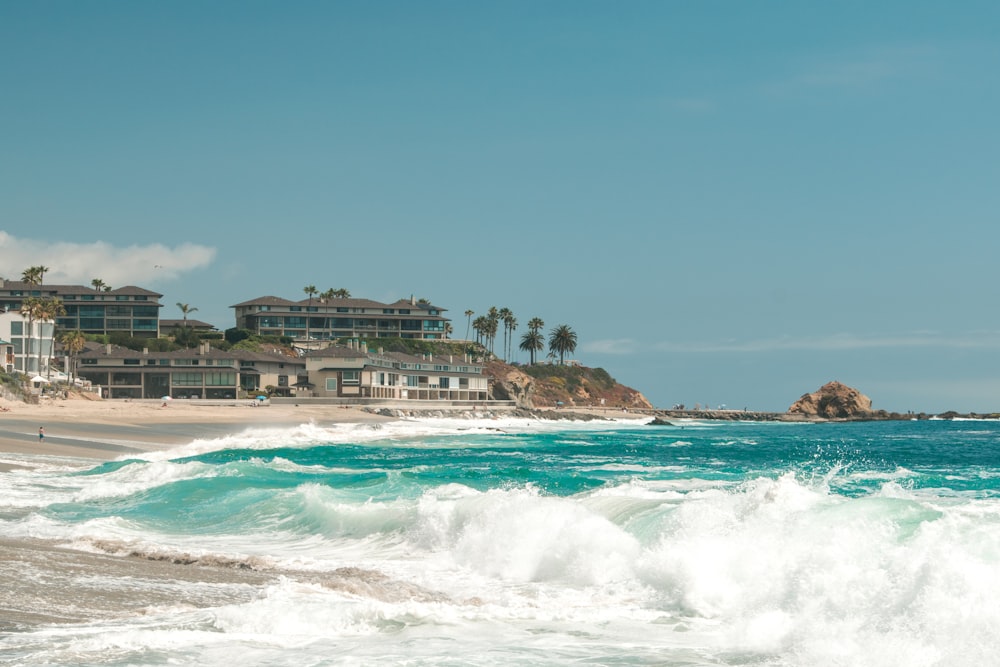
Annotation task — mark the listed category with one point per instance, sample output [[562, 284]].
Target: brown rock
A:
[[833, 401]]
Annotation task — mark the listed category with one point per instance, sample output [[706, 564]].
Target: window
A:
[[131, 362], [187, 379], [388, 311], [17, 328], [443, 383], [121, 297], [351, 377], [331, 384], [141, 298], [220, 379], [404, 311]]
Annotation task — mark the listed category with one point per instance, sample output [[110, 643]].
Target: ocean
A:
[[506, 542]]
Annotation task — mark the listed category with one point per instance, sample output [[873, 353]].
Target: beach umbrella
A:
[[39, 378], [262, 398], [168, 398]]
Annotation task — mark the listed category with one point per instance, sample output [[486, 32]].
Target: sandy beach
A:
[[109, 429]]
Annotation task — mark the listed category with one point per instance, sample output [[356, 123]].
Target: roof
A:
[[350, 302], [266, 301], [196, 324], [128, 290], [99, 351]]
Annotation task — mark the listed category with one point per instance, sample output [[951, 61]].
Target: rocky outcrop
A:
[[833, 401], [510, 384]]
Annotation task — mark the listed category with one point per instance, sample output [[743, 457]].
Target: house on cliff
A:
[[329, 319]]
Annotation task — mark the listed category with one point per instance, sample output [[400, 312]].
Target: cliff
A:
[[833, 401], [548, 385]]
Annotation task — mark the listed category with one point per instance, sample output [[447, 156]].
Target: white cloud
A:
[[840, 342], [79, 263], [862, 68], [610, 346]]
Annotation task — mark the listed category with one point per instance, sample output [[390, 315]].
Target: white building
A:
[[29, 351]]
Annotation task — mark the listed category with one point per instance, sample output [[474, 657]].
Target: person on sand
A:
[[41, 433]]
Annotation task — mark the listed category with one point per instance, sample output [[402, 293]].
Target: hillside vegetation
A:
[[551, 385]]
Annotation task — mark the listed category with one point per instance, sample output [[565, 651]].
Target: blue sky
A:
[[730, 202]]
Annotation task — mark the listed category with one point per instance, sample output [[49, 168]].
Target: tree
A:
[[47, 311], [34, 275], [73, 342], [532, 341], [562, 339], [29, 309], [504, 315], [98, 284], [482, 326], [341, 293], [536, 324], [511, 324], [185, 310], [310, 291], [493, 316], [468, 324]]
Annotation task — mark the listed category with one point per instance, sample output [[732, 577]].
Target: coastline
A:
[[108, 429]]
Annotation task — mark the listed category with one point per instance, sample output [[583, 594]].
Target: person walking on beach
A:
[[41, 433]]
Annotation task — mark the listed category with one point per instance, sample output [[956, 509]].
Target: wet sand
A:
[[110, 429], [44, 582]]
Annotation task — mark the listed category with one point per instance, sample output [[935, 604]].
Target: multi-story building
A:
[[355, 372], [27, 345], [131, 310], [200, 373], [326, 319]]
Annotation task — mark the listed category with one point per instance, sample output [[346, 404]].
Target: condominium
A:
[[131, 310], [326, 319]]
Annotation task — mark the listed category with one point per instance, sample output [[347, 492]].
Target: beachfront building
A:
[[356, 372], [329, 319], [27, 344], [200, 373], [131, 310]]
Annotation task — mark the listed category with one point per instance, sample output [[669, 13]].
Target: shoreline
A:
[[106, 430]]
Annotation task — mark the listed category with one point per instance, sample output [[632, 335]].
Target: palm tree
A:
[[511, 324], [532, 341], [481, 325], [73, 342], [47, 311], [536, 324], [342, 293], [98, 284], [468, 323], [493, 316], [447, 329], [29, 309], [310, 291], [327, 295], [562, 339], [34, 275], [505, 314], [185, 309]]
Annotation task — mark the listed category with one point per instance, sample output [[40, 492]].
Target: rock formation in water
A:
[[833, 401]]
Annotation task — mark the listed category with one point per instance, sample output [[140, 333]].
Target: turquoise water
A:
[[532, 543]]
